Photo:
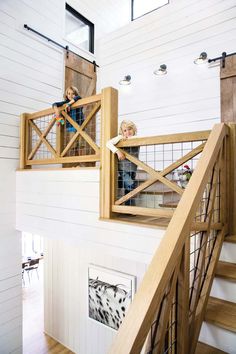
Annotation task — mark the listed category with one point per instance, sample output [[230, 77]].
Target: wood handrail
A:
[[165, 139], [136, 325], [32, 123], [80, 103]]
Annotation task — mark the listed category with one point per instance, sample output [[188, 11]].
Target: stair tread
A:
[[203, 348], [226, 270], [231, 238], [222, 313]]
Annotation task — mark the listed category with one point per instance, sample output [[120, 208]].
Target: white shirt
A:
[[112, 142]]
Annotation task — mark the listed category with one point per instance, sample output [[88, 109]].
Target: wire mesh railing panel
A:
[[157, 159], [73, 140], [82, 140], [37, 128], [162, 338], [202, 243]]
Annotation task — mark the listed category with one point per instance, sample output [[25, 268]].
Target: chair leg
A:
[[23, 279], [28, 276], [37, 273]]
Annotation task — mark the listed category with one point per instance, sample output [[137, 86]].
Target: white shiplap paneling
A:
[[188, 97], [31, 77], [63, 206]]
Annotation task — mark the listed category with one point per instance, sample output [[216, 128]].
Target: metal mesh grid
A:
[[202, 244], [79, 148], [155, 342], [43, 152], [158, 157]]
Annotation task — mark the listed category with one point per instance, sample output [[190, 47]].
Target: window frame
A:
[[146, 13], [83, 19]]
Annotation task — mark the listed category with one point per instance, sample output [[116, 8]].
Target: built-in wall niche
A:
[[32, 245]]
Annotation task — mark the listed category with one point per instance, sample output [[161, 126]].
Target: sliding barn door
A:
[[80, 73]]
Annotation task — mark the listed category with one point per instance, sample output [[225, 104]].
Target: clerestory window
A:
[[140, 7], [79, 30]]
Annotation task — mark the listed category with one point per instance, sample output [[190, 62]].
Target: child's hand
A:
[[120, 155], [67, 109]]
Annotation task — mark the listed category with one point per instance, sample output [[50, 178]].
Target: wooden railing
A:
[[157, 189], [44, 142], [168, 308]]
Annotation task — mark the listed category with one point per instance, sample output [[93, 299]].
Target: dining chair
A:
[[32, 265]]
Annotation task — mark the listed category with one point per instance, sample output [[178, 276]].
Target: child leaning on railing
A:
[[126, 169]]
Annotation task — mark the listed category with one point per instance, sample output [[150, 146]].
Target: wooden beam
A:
[[109, 129], [166, 213], [228, 115], [58, 160], [23, 144], [166, 139], [79, 103]]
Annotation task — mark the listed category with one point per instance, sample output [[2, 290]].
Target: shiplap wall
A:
[[31, 78], [63, 207], [188, 97]]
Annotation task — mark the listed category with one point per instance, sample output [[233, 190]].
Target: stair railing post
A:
[[109, 124], [228, 115], [183, 301], [24, 140]]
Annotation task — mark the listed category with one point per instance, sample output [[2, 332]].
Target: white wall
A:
[[63, 207], [31, 78], [188, 97]]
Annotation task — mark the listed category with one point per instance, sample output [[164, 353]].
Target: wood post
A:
[[183, 301], [228, 115], [23, 140], [109, 129]]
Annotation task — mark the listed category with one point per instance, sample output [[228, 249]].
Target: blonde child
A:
[[71, 96], [126, 169]]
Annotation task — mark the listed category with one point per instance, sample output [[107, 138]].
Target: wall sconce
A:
[[161, 71], [201, 59], [126, 80]]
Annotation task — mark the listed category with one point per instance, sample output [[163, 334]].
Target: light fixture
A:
[[201, 59], [161, 71], [126, 80]]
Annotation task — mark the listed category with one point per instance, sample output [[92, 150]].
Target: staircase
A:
[[220, 318]]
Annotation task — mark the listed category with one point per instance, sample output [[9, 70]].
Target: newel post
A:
[[228, 116], [23, 140], [109, 124]]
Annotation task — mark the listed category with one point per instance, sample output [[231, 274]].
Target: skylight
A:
[[141, 7]]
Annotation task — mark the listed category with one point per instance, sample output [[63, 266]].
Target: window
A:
[[141, 7], [79, 30]]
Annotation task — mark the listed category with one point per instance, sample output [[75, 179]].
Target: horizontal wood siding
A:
[[31, 77], [188, 97], [63, 207]]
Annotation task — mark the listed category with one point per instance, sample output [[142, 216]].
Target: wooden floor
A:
[[34, 340]]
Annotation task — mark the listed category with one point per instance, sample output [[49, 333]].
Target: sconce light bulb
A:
[[201, 59], [126, 80], [161, 71]]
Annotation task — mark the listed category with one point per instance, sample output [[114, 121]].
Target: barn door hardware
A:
[[222, 58], [66, 48]]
